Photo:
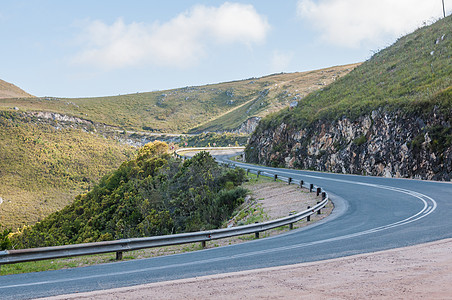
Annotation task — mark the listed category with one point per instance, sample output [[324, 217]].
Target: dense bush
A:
[[5, 243], [154, 194]]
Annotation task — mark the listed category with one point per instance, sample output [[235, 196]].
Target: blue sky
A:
[[88, 48]]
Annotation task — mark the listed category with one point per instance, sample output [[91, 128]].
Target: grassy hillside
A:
[[153, 194], [52, 149], [43, 166], [222, 106], [9, 90], [414, 73]]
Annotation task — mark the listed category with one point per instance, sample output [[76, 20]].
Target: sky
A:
[[86, 48]]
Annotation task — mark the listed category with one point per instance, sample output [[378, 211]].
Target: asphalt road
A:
[[371, 214]]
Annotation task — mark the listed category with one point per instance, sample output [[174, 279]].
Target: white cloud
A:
[[351, 23], [180, 42], [281, 61]]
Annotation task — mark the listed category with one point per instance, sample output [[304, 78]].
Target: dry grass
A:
[[43, 168]]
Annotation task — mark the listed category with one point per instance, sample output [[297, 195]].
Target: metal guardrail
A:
[[120, 246], [176, 153]]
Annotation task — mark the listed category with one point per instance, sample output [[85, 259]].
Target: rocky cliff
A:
[[393, 143], [248, 126]]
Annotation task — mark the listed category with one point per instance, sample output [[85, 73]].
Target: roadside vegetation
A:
[[153, 194], [252, 210]]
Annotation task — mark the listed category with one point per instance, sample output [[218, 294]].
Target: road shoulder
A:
[[421, 271]]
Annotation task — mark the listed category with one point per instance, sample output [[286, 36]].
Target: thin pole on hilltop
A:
[[444, 10]]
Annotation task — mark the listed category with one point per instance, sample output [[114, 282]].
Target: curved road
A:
[[371, 214]]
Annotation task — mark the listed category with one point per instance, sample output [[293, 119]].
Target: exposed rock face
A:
[[59, 117], [390, 144], [248, 126], [136, 139]]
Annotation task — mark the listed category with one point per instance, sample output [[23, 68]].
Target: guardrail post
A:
[[247, 172], [275, 177], [119, 255], [256, 234], [258, 173], [308, 218], [311, 186], [318, 191], [203, 244], [301, 183], [323, 195], [289, 181], [318, 212], [290, 226]]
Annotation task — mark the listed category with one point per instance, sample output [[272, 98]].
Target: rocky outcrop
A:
[[248, 126], [59, 121], [390, 144], [59, 117]]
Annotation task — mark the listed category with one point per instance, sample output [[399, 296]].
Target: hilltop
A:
[[9, 90], [389, 117], [215, 107]]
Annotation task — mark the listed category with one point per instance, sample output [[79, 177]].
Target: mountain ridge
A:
[[190, 109]]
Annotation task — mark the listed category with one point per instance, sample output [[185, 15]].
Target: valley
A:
[[53, 149]]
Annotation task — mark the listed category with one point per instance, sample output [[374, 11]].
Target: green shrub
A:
[[360, 140], [5, 242], [153, 194]]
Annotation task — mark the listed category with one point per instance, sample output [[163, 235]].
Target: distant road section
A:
[[221, 152]]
